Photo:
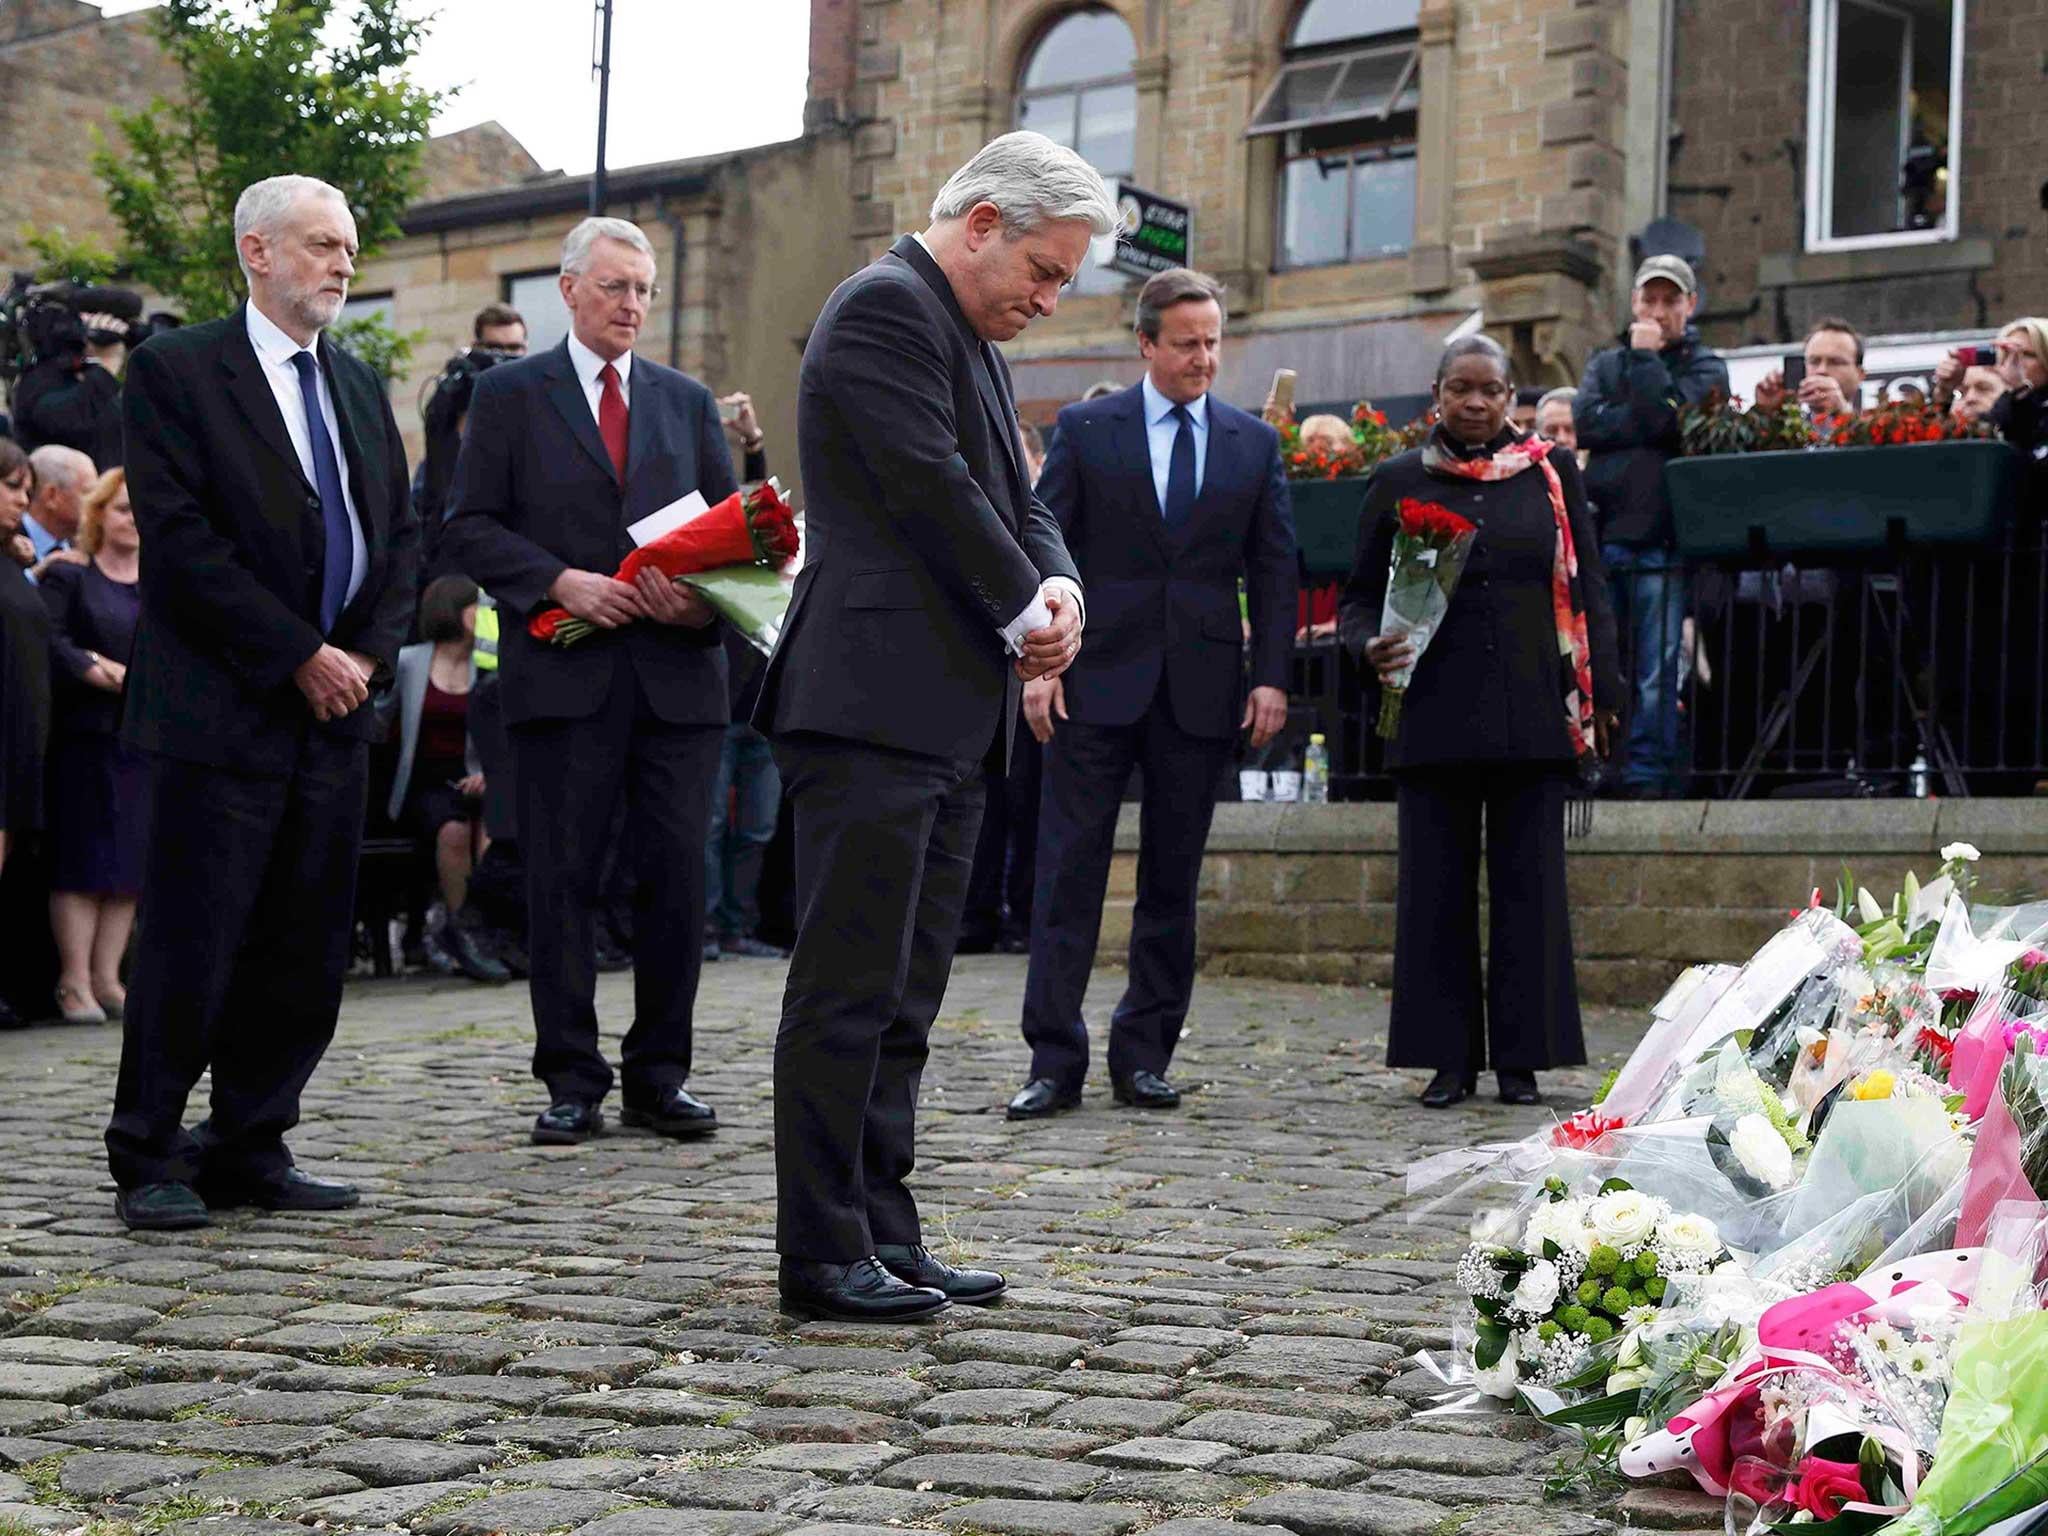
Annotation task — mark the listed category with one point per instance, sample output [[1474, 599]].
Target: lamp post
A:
[[602, 64]]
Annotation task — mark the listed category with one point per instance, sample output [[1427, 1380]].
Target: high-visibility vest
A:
[[486, 652]]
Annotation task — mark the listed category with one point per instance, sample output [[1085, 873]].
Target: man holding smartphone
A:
[[1825, 378]]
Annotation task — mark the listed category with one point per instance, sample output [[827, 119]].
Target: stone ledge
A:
[[1793, 269]]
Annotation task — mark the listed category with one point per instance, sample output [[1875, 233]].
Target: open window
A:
[[1883, 118], [1344, 106]]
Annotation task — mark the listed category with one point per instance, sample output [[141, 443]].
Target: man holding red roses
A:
[[565, 450]]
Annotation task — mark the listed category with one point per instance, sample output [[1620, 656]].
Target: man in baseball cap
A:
[[1627, 414]]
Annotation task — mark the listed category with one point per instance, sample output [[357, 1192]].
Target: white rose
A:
[[1964, 852], [1562, 1222], [1536, 1293], [1761, 1151], [1688, 1238], [1498, 1379], [1625, 1218]]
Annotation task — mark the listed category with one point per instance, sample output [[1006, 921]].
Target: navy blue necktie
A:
[[1180, 470], [333, 509]]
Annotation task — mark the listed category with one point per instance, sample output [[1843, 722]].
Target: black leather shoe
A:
[[747, 947], [1146, 1090], [1042, 1097], [862, 1292], [915, 1264], [1449, 1087], [293, 1191], [469, 955], [160, 1208], [568, 1124], [1518, 1088], [670, 1112], [611, 958], [511, 954], [711, 951]]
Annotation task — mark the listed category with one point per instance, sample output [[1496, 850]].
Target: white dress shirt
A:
[[1160, 431], [275, 351], [1036, 615], [589, 365]]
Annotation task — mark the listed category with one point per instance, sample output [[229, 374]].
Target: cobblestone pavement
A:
[[1209, 1330]]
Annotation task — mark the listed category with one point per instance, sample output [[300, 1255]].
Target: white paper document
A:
[[656, 525]]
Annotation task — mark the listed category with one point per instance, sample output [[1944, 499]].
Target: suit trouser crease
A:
[[1086, 770], [1440, 1015], [572, 776], [884, 849], [246, 920]]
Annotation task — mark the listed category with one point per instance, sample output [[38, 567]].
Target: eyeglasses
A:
[[618, 288]]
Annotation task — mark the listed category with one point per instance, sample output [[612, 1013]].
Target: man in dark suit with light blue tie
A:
[[1167, 498]]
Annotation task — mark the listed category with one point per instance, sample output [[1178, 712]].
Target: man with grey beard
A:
[[279, 559]]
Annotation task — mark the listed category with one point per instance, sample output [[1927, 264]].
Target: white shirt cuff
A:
[[1039, 614]]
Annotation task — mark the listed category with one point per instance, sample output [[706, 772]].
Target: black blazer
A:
[[1161, 601], [1490, 685], [535, 494], [924, 538], [233, 547]]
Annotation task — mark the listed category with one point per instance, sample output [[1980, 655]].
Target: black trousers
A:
[[572, 774], [248, 901], [1086, 769], [1531, 997], [884, 842]]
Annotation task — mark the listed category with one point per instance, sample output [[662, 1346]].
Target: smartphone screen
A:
[[1795, 374]]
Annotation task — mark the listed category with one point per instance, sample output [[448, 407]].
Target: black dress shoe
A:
[[670, 1112], [1449, 1087], [915, 1264], [1518, 1088], [611, 958], [747, 947], [1014, 944], [1146, 1090], [292, 1191], [511, 953], [862, 1292], [160, 1208], [568, 1124], [1042, 1097], [469, 954]]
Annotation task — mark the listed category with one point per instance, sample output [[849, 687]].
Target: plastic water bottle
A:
[[1315, 773], [1918, 770]]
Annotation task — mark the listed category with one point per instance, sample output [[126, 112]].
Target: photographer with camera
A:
[[69, 342], [2019, 358], [1825, 379]]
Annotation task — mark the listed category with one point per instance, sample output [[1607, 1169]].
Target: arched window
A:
[[1344, 102], [1078, 89]]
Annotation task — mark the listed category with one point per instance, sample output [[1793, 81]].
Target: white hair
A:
[[262, 207], [576, 248], [54, 464], [1564, 394], [1032, 181]]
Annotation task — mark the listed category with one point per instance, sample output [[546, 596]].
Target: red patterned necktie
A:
[[611, 418]]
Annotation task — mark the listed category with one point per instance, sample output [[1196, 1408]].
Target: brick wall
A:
[[1738, 171], [1306, 893]]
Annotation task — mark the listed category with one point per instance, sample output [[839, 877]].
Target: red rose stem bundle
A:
[[1430, 547]]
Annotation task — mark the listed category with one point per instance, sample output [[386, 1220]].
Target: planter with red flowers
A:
[[1773, 484], [1327, 484]]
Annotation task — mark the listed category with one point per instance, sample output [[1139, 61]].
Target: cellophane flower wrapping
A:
[[1431, 544]]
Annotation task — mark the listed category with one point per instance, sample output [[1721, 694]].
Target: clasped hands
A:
[[609, 603], [1389, 655], [1047, 652]]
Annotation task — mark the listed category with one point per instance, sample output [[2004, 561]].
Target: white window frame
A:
[[1820, 116]]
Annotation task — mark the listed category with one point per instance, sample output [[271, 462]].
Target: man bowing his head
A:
[[935, 585]]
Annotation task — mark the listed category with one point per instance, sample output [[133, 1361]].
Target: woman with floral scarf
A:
[[1508, 713]]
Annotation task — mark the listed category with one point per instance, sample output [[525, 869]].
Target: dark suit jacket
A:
[[1490, 685], [233, 547], [1167, 601], [535, 494], [924, 536]]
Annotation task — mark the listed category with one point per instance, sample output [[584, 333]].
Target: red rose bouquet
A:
[[1430, 547], [733, 553]]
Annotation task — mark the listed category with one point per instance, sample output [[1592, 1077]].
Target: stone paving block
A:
[[1204, 1525], [1047, 1350], [1154, 1453], [829, 1357], [994, 1476], [1045, 1517], [45, 1349], [1137, 1356], [1119, 1416], [1348, 1411], [1257, 1431], [842, 1528], [1330, 1512], [38, 1517], [1671, 1509], [602, 1474], [25, 1418], [1298, 1467], [1459, 1455], [647, 1405], [840, 1424], [114, 1434], [506, 1391], [19, 1451], [1140, 1384], [418, 1418], [298, 1376], [203, 1365], [824, 1459], [719, 1378], [386, 1462], [986, 1376], [156, 1400], [986, 1407], [375, 1507], [548, 1434], [675, 1439], [1168, 1490], [1532, 1520], [97, 1320], [257, 1485], [613, 1365], [293, 1407], [97, 1475], [56, 1383], [861, 1504], [233, 1525], [214, 1332], [13, 1489], [687, 1522], [1026, 1440], [521, 1512], [726, 1488], [257, 1442], [874, 1394]]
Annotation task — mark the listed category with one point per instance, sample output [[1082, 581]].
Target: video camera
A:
[[446, 395], [39, 321]]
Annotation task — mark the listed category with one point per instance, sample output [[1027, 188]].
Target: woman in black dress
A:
[[96, 784], [24, 701], [1510, 707]]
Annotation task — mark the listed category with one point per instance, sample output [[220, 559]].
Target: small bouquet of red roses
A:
[[1430, 547], [736, 554]]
